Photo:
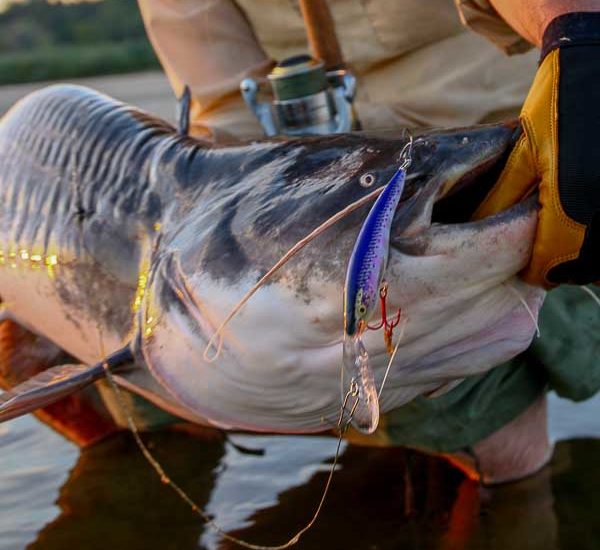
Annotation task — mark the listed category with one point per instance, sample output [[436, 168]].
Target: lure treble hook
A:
[[388, 327]]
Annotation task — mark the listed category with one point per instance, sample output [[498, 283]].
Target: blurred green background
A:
[[48, 40]]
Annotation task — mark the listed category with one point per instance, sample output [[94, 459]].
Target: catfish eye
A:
[[362, 309], [367, 180]]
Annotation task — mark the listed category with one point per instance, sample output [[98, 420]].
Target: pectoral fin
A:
[[53, 384], [46, 388]]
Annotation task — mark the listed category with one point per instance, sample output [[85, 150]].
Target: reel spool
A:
[[307, 100]]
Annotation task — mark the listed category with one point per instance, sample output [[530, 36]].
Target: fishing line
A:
[[392, 357], [406, 152], [525, 305], [217, 335], [591, 293], [198, 510]]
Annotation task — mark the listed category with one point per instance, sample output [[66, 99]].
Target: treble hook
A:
[[388, 327]]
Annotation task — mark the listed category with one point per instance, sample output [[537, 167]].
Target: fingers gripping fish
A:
[[362, 289]]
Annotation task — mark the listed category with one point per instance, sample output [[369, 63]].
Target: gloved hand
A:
[[560, 151]]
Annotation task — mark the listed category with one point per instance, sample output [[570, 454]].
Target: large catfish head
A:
[[237, 210]]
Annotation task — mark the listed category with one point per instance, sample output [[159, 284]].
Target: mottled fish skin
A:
[[113, 226]]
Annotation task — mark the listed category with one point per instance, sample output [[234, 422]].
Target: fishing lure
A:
[[363, 288]]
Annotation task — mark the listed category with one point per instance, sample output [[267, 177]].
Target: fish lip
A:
[[443, 200], [415, 243], [456, 190], [534, 297]]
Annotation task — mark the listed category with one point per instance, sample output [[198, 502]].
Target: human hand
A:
[[558, 153]]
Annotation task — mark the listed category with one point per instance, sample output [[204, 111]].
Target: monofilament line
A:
[[514, 290], [217, 335], [164, 477], [591, 293], [391, 360]]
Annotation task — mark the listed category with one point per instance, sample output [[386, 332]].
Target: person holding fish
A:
[[498, 417], [437, 398], [418, 64]]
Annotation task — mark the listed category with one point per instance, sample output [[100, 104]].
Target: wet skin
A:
[[119, 229]]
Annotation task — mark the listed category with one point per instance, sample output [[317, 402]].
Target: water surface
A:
[[264, 488]]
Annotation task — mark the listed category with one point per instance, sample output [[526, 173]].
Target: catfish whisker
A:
[[591, 293], [521, 299], [392, 357]]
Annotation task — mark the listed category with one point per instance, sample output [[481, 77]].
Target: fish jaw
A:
[[465, 307]]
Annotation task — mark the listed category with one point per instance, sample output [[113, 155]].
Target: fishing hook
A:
[[388, 327]]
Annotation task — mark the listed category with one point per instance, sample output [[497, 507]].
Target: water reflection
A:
[[264, 488], [113, 499], [248, 485], [576, 485], [381, 498], [30, 473]]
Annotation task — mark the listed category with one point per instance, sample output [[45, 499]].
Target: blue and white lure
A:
[[363, 289]]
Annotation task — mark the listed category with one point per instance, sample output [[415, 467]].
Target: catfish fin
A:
[[46, 388], [55, 383]]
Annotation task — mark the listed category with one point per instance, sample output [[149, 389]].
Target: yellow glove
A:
[[559, 150]]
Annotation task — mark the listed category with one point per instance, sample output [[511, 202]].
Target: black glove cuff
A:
[[577, 37], [571, 29]]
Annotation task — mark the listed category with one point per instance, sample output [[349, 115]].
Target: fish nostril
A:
[[367, 180]]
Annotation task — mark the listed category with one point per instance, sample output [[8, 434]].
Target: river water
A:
[[263, 488]]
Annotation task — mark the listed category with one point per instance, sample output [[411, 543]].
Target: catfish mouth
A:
[[464, 197], [451, 200], [462, 267]]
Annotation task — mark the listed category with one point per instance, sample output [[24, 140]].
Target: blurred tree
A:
[[46, 39], [24, 34], [38, 23]]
